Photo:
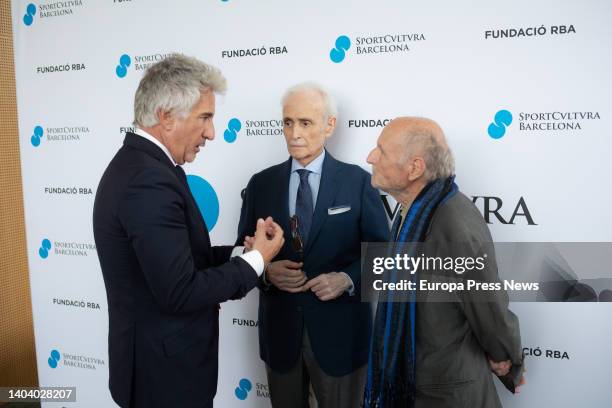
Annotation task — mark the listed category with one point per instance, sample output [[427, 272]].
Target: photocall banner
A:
[[522, 89]]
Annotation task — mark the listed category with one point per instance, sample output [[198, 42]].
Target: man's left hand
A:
[[328, 286], [522, 382], [248, 243]]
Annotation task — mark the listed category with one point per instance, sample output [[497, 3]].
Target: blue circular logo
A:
[[206, 199], [54, 358], [502, 120], [231, 133], [35, 141], [28, 18], [124, 62], [44, 249], [242, 391], [37, 136], [343, 43]]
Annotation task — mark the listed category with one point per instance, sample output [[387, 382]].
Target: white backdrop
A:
[[547, 63]]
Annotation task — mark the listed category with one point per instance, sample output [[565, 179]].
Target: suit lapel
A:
[[282, 201], [327, 192], [140, 143]]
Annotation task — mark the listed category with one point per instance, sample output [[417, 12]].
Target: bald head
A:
[[410, 152], [413, 130], [423, 138]]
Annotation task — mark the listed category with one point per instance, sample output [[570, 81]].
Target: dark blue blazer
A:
[[163, 282], [339, 329]]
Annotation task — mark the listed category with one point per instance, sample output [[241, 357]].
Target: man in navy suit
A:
[[313, 327], [163, 278]]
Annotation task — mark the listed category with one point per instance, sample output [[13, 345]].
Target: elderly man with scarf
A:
[[436, 354]]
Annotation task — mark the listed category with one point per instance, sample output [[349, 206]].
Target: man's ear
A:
[[417, 168], [330, 126], [166, 119]]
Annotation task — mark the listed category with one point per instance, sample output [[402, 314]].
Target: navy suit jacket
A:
[[163, 282], [339, 329]]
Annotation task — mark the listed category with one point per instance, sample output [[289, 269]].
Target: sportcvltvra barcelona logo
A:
[[122, 69], [342, 45], [243, 389], [37, 136], [28, 18], [497, 129], [45, 247], [54, 358], [233, 127]]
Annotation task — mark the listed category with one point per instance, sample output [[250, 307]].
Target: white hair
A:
[[329, 103], [174, 85]]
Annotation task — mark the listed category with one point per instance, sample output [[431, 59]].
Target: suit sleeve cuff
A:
[[253, 258], [351, 289]]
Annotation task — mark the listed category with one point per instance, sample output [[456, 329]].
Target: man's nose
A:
[[296, 132], [370, 158], [209, 133]]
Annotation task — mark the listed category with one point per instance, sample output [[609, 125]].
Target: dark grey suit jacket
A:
[[453, 339]]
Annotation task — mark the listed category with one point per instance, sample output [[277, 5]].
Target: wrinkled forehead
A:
[[392, 135], [396, 141]]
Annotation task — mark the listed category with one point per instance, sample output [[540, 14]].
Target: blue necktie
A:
[[303, 205]]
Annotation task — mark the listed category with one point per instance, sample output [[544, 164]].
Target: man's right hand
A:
[[286, 275], [500, 368], [268, 239]]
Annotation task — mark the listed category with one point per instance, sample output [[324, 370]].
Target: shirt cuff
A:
[[253, 258], [239, 250], [351, 289]]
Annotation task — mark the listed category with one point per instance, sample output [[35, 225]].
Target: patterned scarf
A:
[[391, 366]]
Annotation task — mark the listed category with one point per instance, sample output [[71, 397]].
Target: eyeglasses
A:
[[296, 238]]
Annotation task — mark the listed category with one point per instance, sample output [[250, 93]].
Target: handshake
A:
[[287, 275]]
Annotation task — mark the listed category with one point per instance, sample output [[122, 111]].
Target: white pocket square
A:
[[338, 210]]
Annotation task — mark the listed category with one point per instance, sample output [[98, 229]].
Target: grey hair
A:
[[438, 157], [439, 160], [329, 103], [174, 85]]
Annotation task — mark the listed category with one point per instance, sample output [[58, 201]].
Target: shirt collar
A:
[[315, 166], [159, 144]]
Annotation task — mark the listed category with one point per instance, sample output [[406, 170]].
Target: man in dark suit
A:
[[456, 343], [163, 278], [313, 328]]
